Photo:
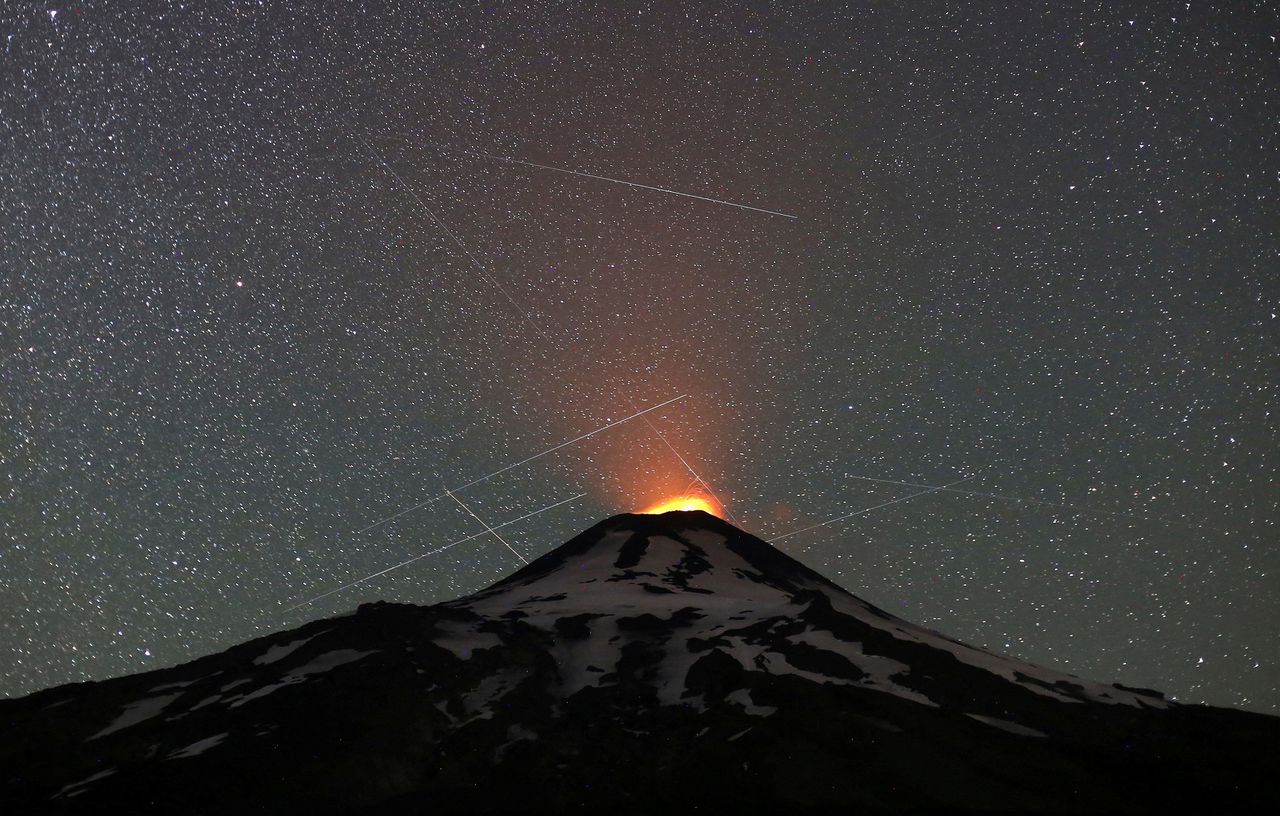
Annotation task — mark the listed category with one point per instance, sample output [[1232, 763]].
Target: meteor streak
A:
[[524, 461], [439, 222], [697, 480], [394, 567], [1073, 507], [510, 160], [484, 271], [471, 513], [866, 510], [514, 304]]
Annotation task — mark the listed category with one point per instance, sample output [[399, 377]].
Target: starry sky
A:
[[266, 283]]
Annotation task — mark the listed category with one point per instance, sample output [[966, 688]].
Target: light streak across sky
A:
[[865, 510], [436, 551], [1061, 505], [554, 169], [524, 315], [486, 526], [514, 465], [510, 160]]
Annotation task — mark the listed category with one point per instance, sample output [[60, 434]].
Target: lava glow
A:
[[695, 502]]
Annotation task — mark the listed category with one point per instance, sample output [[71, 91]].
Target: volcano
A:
[[654, 663]]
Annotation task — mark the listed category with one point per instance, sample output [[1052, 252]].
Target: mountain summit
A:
[[655, 662]]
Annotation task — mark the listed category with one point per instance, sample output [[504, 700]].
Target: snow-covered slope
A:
[[701, 583], [669, 662]]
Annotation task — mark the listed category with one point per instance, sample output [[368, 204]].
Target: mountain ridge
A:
[[620, 669]]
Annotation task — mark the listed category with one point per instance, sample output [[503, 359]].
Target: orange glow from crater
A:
[[690, 502]]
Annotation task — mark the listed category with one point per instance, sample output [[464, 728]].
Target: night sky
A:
[[262, 286]]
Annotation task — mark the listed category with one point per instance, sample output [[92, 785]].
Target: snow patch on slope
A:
[[880, 670], [280, 652], [198, 747], [1034, 678], [318, 665], [1005, 725], [137, 712], [515, 733], [631, 571], [79, 787], [742, 697], [479, 702], [583, 662], [463, 641]]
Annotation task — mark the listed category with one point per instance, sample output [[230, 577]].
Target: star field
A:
[[262, 286]]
